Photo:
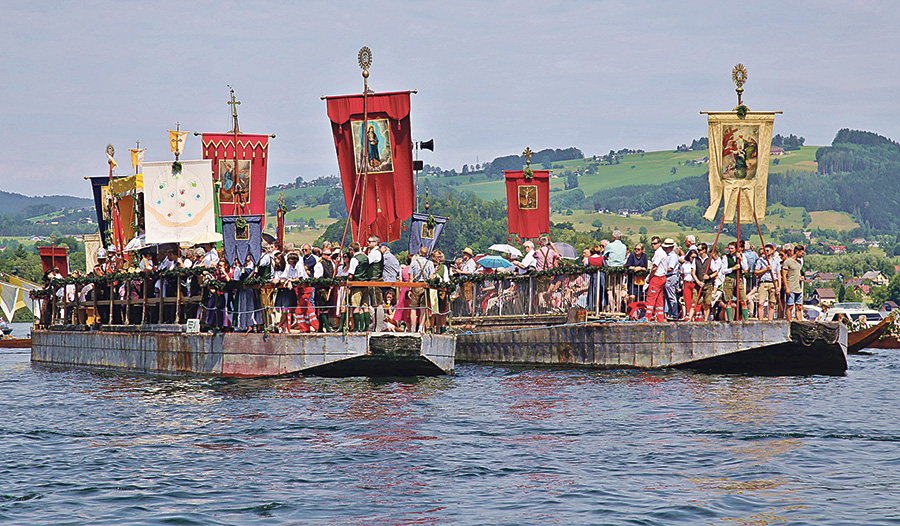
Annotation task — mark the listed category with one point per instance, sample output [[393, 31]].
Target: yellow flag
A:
[[176, 140], [137, 156]]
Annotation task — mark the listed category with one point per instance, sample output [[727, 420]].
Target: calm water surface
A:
[[488, 446]]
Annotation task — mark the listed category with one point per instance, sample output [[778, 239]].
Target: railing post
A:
[[530, 294]]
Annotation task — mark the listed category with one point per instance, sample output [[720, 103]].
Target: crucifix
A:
[[528, 153], [234, 104]]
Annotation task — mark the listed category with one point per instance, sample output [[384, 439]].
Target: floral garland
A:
[[528, 173], [741, 111], [553, 272]]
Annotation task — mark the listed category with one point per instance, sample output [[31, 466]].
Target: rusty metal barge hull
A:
[[175, 353], [760, 348]]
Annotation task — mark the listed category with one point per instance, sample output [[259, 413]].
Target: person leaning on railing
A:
[[420, 270], [439, 304]]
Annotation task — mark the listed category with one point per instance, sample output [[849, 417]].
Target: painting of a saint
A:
[[372, 149], [231, 180], [427, 233], [740, 151], [528, 197]]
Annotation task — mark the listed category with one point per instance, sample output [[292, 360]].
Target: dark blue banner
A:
[[421, 234], [240, 242]]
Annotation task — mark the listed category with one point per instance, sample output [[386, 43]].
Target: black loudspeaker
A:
[[427, 145]]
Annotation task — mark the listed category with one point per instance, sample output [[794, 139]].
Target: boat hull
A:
[[168, 352], [767, 348]]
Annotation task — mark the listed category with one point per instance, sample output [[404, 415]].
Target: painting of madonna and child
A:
[[373, 149], [740, 151]]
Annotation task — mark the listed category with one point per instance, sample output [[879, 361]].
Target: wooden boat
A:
[[859, 340], [15, 343], [890, 342]]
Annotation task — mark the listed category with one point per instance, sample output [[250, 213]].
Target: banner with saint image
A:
[[739, 163]]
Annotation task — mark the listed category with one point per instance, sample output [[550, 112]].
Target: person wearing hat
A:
[[324, 269], [673, 277], [659, 266], [467, 268]]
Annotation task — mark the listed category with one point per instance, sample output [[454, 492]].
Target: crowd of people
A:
[[666, 282]]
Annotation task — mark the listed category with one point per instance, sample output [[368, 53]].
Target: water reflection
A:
[[745, 410]]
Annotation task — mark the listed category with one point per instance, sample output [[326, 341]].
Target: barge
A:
[[171, 351], [754, 347]]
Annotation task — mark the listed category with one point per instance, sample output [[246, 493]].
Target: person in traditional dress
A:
[[248, 316]]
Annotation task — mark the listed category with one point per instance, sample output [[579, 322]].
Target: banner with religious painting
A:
[[373, 142], [242, 235], [239, 171], [178, 201], [739, 163], [424, 231], [528, 202]]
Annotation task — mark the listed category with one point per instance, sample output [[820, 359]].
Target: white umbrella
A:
[[136, 244], [207, 237], [506, 249]]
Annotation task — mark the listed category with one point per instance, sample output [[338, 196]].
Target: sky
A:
[[492, 77]]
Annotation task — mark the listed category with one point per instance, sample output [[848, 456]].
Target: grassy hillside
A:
[[636, 168]]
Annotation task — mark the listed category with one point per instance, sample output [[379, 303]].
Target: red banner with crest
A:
[[528, 203], [375, 159], [241, 174]]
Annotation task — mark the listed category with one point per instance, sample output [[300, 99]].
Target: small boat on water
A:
[[8, 342], [861, 339], [889, 342]]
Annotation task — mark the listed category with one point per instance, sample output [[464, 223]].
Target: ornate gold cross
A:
[[528, 153]]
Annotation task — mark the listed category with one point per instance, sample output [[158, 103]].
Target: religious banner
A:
[[176, 141], [239, 171], [55, 257], [100, 189], [374, 150], [424, 231], [137, 156], [528, 202], [242, 235], [178, 201], [739, 163]]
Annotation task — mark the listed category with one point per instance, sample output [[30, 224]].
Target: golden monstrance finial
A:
[[739, 76]]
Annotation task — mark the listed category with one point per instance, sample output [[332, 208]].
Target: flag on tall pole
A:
[[239, 164], [528, 200], [739, 143], [373, 141]]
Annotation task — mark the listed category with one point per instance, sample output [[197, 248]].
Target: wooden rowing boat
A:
[[15, 343], [890, 342], [859, 340]]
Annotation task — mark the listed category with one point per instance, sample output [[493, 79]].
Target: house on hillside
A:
[[827, 276], [838, 249], [776, 150], [822, 297], [858, 241], [876, 277]]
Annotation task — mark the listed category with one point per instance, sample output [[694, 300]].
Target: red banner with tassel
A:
[[242, 188], [375, 161], [528, 202]]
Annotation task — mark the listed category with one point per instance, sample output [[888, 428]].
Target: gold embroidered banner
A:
[[739, 163]]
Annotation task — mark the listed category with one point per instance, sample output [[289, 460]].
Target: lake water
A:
[[490, 446]]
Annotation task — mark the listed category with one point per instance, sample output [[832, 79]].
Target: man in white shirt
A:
[[659, 266], [528, 262], [211, 258]]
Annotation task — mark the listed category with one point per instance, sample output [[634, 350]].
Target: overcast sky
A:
[[493, 77]]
